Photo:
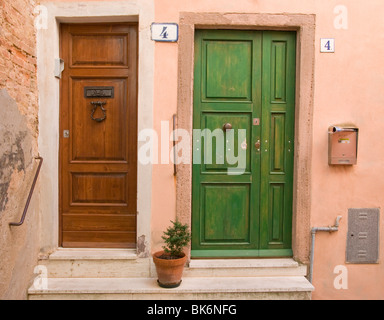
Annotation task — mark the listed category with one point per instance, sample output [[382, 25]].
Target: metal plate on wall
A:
[[363, 236]]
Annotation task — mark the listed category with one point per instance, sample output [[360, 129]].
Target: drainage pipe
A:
[[313, 233]]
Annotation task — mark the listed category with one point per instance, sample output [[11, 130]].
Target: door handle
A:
[[227, 126], [97, 104], [258, 145]]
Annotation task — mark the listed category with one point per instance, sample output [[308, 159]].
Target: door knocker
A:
[[97, 104]]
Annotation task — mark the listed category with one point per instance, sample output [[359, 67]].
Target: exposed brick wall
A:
[[18, 56]]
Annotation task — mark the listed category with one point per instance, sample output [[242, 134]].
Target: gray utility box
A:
[[363, 236]]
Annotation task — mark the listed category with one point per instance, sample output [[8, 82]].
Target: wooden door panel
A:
[[94, 141], [225, 201], [99, 239], [98, 161], [276, 213], [102, 46], [99, 189], [99, 222], [247, 79], [110, 49], [228, 68], [97, 192], [278, 117], [279, 68], [221, 147], [278, 144], [226, 214]]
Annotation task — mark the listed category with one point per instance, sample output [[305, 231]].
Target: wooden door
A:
[[98, 142], [245, 81]]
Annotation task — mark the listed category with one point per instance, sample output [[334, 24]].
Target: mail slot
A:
[[342, 145]]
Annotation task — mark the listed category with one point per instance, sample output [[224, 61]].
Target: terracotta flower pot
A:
[[169, 271]]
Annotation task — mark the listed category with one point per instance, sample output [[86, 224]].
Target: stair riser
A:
[[246, 272], [179, 296], [139, 268], [144, 268], [76, 276]]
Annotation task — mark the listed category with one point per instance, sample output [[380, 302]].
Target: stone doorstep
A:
[[119, 263], [242, 263], [131, 286], [245, 268], [94, 274], [62, 254], [95, 263], [93, 254]]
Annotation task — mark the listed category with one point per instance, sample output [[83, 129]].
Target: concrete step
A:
[[192, 288], [95, 263], [245, 268], [117, 263]]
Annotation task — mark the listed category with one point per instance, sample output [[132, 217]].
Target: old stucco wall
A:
[[18, 146]]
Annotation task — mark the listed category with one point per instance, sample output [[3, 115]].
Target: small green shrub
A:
[[176, 238]]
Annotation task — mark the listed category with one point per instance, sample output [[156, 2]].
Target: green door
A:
[[243, 120]]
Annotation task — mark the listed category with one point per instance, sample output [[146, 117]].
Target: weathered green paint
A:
[[240, 76], [278, 117]]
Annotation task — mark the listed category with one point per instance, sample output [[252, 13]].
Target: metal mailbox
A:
[[342, 144]]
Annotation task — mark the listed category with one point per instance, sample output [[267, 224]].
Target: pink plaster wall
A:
[[348, 88], [165, 102]]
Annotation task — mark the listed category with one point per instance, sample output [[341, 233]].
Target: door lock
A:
[[258, 145]]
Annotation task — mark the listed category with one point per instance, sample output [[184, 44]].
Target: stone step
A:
[[93, 254], [192, 288], [117, 263], [245, 268], [95, 263]]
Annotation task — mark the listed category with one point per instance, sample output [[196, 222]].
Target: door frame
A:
[[304, 26], [48, 42]]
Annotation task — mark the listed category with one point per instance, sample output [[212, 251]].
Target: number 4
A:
[[327, 45], [164, 33]]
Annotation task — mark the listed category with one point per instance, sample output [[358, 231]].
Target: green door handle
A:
[[227, 126]]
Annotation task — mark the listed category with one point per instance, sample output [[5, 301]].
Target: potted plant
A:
[[171, 261]]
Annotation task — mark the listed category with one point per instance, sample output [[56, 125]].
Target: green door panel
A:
[[226, 61], [225, 149], [242, 195], [225, 214], [228, 66], [278, 117]]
